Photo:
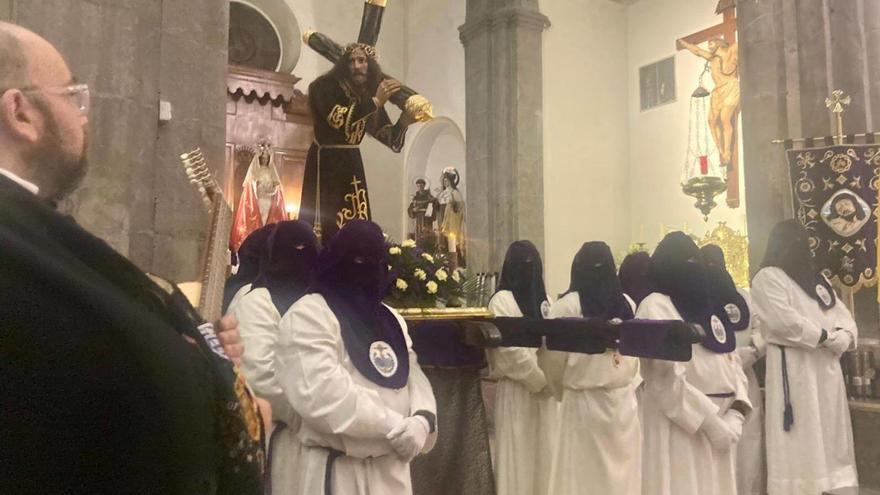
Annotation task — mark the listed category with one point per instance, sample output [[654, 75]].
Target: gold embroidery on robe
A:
[[359, 207], [354, 133], [251, 414], [337, 117]]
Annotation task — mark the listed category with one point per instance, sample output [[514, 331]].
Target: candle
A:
[[292, 210], [451, 241]]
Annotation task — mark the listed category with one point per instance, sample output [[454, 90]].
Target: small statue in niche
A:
[[262, 198], [423, 209], [452, 216], [267, 184]]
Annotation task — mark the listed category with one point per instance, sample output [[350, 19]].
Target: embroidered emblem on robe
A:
[[718, 330], [383, 358]]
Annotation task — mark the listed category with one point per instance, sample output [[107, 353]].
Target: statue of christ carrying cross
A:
[[347, 103]]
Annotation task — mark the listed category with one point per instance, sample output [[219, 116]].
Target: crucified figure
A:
[[723, 62]]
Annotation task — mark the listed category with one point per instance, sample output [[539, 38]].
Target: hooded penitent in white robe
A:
[[526, 414], [677, 457], [599, 445], [341, 409], [817, 453], [258, 322], [751, 461]]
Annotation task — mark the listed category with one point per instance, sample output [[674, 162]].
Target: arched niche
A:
[[436, 145], [286, 27]]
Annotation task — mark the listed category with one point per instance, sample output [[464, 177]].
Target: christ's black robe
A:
[[334, 183], [101, 393]]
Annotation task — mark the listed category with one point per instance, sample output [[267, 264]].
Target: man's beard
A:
[[58, 172], [359, 83]]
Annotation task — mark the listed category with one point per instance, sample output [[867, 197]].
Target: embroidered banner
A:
[[834, 190]]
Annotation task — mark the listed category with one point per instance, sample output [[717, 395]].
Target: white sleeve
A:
[[780, 323], [665, 382], [742, 383], [421, 394], [843, 319], [515, 363], [320, 389], [554, 363], [747, 355], [258, 325]]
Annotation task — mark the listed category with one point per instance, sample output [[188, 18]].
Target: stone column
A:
[[793, 53], [134, 53], [503, 70]]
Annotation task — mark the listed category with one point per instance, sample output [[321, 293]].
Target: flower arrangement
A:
[[422, 280]]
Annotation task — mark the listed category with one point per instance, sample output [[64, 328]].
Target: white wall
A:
[[586, 195], [435, 68], [658, 137]]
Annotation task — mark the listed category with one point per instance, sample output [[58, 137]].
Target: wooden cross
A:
[[727, 31], [371, 23]]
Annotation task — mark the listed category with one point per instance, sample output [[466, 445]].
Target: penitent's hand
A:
[[230, 339], [409, 436], [386, 88]]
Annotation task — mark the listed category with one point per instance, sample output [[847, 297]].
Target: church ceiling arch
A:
[[264, 34]]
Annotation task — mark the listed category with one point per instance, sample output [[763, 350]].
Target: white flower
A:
[[420, 274], [409, 243], [432, 287], [428, 257], [394, 250], [441, 275], [456, 276], [401, 284]]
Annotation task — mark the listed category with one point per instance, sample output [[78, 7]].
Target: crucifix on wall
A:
[[722, 61]]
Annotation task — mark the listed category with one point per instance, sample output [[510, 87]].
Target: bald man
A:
[[110, 384]]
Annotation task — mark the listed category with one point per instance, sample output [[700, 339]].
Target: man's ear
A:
[[20, 116]]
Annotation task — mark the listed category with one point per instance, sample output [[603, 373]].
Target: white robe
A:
[[599, 445], [341, 409], [751, 461], [677, 458], [236, 298], [258, 322], [526, 414], [817, 454]]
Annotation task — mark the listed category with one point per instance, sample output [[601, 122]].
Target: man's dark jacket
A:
[[99, 391]]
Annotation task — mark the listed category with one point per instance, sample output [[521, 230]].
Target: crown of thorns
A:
[[369, 50]]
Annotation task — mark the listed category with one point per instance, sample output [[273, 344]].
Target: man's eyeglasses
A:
[[76, 93]]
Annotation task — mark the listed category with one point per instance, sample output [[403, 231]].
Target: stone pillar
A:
[[793, 53], [503, 70], [764, 118], [5, 10], [134, 54]]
